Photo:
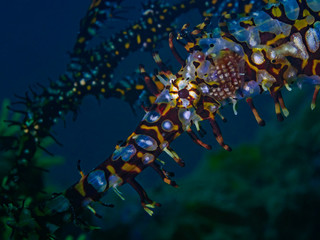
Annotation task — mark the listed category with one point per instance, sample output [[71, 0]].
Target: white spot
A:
[[257, 58], [82, 82], [187, 115], [312, 40], [147, 158], [167, 125], [204, 88]]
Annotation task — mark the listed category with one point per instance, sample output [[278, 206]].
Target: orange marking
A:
[[111, 169], [130, 168], [247, 8], [120, 91], [81, 40], [139, 154], [156, 129], [139, 87], [79, 187], [314, 67]]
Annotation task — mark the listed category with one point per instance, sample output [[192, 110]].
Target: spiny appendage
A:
[[146, 202], [314, 97]]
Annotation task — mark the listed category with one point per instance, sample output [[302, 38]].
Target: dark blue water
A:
[[36, 36]]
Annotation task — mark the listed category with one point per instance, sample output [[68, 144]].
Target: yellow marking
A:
[[276, 88], [213, 83], [165, 10], [79, 187], [139, 154], [174, 7], [92, 209], [137, 26], [274, 40], [250, 65], [207, 14], [94, 20], [108, 65], [276, 12], [111, 169], [120, 91], [182, 6], [156, 129], [149, 21], [168, 107], [300, 24], [95, 4], [304, 63], [88, 87], [175, 127], [189, 45], [277, 106], [130, 168], [152, 99], [167, 180], [103, 90], [226, 15], [276, 71], [139, 87], [214, 1], [127, 45], [149, 40], [161, 17], [81, 40], [124, 33], [314, 67], [249, 22], [159, 85], [153, 29], [138, 39], [247, 8], [79, 92], [229, 4], [306, 13], [116, 52]]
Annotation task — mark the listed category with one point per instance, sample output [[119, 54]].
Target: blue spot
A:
[[146, 142], [250, 89], [97, 180], [147, 158], [114, 180], [126, 153], [152, 116]]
